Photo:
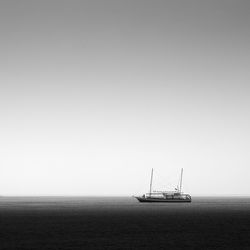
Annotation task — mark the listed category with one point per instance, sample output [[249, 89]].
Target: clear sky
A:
[[93, 94]]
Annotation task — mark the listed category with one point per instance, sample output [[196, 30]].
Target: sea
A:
[[59, 223]]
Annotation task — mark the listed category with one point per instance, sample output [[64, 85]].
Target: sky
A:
[[93, 94]]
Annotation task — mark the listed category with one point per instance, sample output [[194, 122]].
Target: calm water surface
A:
[[123, 223]]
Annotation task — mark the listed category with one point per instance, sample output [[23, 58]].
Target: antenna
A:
[[181, 179], [151, 180]]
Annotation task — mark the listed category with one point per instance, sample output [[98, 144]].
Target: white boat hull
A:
[[156, 199]]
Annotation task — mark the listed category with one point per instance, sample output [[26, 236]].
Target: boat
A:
[[165, 196]]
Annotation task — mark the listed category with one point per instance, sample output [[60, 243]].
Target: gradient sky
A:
[[93, 94]]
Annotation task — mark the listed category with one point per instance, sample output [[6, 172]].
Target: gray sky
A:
[[93, 94]]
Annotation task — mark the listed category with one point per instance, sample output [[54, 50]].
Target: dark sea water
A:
[[123, 223]]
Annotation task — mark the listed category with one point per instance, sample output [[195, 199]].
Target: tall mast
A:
[[151, 180], [181, 179]]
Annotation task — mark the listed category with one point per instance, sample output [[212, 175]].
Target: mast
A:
[[181, 179], [151, 180]]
